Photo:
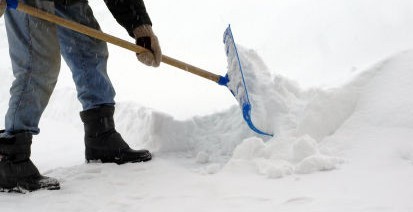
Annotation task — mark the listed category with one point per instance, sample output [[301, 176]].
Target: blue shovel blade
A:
[[235, 80]]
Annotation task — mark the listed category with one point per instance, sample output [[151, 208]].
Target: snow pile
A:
[[280, 157], [376, 100]]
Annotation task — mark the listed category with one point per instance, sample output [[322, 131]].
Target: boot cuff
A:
[[97, 113], [15, 147], [19, 138]]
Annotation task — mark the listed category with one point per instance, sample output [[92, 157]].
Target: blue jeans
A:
[[35, 49]]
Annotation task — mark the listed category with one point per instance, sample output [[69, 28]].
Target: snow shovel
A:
[[234, 81]]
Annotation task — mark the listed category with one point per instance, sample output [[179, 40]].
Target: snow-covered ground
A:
[[342, 147]]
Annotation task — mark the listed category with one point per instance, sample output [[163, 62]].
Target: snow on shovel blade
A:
[[236, 81]]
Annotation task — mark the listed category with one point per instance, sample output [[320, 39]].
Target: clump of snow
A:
[[316, 163], [249, 149], [213, 168], [277, 159], [202, 157], [303, 147]]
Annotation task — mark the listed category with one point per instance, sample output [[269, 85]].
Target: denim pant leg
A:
[[87, 57], [35, 57]]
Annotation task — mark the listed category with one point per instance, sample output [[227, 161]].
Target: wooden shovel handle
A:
[[113, 40]]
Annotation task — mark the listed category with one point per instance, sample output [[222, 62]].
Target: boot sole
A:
[[21, 190], [93, 156], [117, 161]]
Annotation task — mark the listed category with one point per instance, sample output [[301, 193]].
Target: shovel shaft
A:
[[113, 40]]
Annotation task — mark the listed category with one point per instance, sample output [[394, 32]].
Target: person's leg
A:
[[87, 58], [34, 52], [35, 57]]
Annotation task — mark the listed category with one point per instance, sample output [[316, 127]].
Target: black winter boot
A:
[[17, 172], [103, 142]]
